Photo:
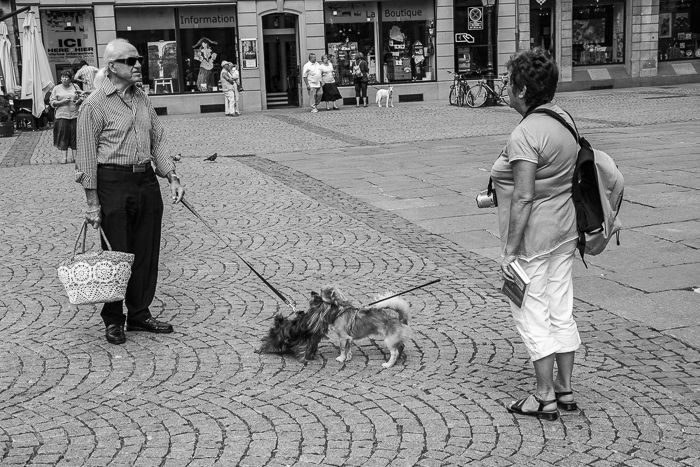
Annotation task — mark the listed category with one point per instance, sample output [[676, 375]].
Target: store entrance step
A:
[[277, 99]]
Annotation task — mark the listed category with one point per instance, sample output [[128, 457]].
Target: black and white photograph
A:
[[350, 233]]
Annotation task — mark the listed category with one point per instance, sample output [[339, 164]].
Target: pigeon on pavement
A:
[[211, 158], [177, 158]]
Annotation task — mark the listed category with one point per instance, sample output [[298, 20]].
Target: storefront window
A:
[[598, 32], [407, 38], [152, 32], [351, 28], [182, 47], [207, 36], [471, 39], [69, 37], [679, 30]]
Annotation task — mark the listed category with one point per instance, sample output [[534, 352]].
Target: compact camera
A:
[[487, 199]]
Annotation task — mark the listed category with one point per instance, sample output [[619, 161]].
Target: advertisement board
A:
[[69, 37]]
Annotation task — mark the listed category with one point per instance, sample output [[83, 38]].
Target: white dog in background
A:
[[387, 94]]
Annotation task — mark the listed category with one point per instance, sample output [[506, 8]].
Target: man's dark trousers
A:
[[132, 211]]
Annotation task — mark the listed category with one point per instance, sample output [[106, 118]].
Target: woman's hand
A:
[[504, 266]]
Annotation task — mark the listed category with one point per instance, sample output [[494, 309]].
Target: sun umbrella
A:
[[8, 68], [36, 71]]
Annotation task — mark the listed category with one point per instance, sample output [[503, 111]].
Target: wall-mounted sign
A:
[[406, 10], [464, 37], [206, 16], [249, 50], [475, 18], [354, 12], [69, 37]]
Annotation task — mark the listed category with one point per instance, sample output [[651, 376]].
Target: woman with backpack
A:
[[533, 183], [360, 76], [66, 98]]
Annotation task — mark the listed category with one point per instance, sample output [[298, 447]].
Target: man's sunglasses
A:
[[130, 61]]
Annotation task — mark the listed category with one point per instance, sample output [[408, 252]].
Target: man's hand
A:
[[93, 215], [176, 190]]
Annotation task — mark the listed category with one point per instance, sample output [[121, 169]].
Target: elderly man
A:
[[312, 79], [229, 84], [120, 140]]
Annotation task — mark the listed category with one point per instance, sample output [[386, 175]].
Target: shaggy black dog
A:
[[300, 334]]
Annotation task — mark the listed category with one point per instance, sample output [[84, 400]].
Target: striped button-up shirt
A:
[[113, 129]]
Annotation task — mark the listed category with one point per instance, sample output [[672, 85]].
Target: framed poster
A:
[[249, 48], [69, 37]]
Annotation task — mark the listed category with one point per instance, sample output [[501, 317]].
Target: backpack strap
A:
[[581, 142], [560, 119]]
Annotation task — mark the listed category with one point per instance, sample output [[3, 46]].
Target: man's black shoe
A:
[[150, 325], [115, 334]]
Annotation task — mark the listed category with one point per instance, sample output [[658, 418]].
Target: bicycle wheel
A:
[[477, 95], [453, 97]]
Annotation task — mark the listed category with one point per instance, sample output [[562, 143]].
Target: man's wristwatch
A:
[[174, 177]]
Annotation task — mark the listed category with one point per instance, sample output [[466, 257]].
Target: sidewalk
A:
[[369, 199]]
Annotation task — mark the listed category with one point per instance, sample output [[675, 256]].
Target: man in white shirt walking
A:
[[86, 76], [312, 79]]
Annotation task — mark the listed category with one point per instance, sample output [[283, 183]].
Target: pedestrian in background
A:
[[360, 77], [65, 99], [330, 89], [86, 76], [120, 140], [229, 84], [532, 178], [311, 73]]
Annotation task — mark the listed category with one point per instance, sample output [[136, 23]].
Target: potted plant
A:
[[7, 125]]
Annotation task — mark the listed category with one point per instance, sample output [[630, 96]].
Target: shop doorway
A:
[[281, 50], [542, 25]]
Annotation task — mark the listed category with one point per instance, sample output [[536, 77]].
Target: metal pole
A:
[[14, 13], [489, 66]]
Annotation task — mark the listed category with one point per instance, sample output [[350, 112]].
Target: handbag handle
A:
[[83, 233]]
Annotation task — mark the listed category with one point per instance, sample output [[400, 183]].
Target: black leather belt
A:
[[127, 168]]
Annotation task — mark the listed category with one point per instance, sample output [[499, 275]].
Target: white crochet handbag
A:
[[96, 276]]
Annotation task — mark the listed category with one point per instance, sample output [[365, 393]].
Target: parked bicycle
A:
[[481, 91], [459, 90]]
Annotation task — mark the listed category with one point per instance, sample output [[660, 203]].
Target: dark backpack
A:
[[597, 192]]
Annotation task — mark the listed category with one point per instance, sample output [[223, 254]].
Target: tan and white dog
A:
[[387, 94], [386, 320]]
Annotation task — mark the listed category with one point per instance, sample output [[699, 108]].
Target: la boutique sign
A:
[[404, 14]]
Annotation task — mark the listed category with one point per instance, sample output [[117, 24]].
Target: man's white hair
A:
[[115, 47]]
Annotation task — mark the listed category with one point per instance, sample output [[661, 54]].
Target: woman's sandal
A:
[[571, 406], [550, 415]]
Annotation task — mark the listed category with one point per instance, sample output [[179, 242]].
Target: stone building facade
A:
[[413, 45]]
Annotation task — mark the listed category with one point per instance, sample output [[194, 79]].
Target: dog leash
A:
[[277, 292], [402, 293]]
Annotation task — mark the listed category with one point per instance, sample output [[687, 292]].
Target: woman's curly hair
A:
[[538, 71]]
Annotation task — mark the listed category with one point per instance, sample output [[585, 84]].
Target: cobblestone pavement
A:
[[201, 396]]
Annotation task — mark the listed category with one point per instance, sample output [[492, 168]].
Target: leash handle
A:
[[404, 292], [265, 281]]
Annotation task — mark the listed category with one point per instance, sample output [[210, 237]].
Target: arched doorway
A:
[[281, 51]]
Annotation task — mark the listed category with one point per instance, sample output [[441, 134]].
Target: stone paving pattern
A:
[[372, 200]]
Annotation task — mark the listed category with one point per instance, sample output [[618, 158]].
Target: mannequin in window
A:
[[205, 56]]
